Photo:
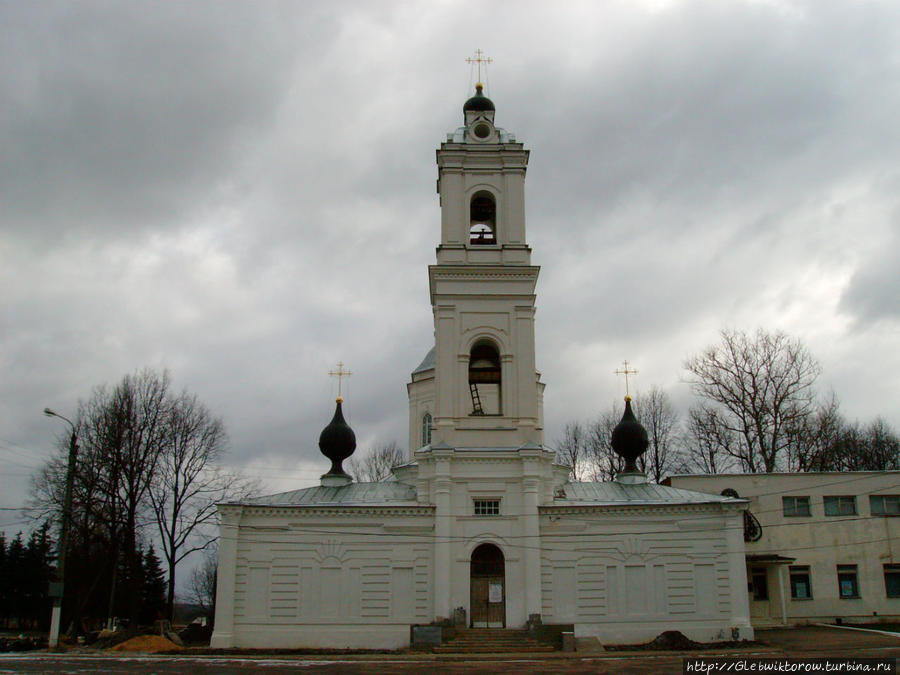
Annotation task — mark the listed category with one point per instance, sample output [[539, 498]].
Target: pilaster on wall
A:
[[442, 486], [223, 637], [740, 602], [532, 541]]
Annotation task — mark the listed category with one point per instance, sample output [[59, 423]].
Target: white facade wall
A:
[[818, 541], [347, 576], [342, 577], [625, 575]]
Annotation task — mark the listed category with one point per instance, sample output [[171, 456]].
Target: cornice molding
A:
[[476, 272], [573, 509], [345, 511]]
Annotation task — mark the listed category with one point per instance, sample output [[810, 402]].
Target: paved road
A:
[[226, 666], [806, 642]]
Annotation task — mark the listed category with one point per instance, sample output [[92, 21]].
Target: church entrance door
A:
[[488, 588]]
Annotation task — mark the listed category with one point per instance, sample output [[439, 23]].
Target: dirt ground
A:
[[814, 639], [807, 642]]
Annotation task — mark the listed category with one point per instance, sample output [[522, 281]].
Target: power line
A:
[[436, 539]]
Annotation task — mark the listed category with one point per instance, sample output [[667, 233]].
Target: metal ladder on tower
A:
[[476, 400]]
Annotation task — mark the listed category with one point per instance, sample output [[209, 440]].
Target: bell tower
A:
[[487, 392]]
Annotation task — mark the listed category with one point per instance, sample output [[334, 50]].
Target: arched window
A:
[[426, 429], [484, 379], [482, 219]]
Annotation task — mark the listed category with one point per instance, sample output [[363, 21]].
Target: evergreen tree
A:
[[15, 567], [4, 583], [153, 588], [37, 574]]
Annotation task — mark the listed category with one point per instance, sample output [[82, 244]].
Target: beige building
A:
[[828, 546], [481, 526]]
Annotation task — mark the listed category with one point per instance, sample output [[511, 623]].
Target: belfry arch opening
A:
[[482, 219], [485, 385]]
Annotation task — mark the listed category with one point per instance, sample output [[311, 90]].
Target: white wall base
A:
[[329, 636], [637, 632]]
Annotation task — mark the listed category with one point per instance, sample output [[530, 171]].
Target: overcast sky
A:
[[243, 193]]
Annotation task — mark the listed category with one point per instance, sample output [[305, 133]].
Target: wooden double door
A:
[[488, 588]]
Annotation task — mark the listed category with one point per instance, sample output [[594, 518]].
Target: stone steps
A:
[[492, 640]]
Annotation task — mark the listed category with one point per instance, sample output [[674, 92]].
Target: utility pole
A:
[[56, 588]]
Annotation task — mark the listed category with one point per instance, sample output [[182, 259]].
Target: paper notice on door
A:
[[495, 592]]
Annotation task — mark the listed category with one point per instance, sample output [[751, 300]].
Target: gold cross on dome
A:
[[340, 374], [626, 372], [479, 59]]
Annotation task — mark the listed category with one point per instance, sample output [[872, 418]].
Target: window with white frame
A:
[[840, 505], [884, 505], [487, 507], [795, 506], [801, 585], [848, 581], [892, 580]]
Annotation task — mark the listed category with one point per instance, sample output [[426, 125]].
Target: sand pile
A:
[[146, 643]]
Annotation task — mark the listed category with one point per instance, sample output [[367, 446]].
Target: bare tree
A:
[[376, 465], [656, 413], [709, 440], [141, 401], [883, 446], [120, 438], [761, 387], [189, 482], [842, 446], [603, 462], [146, 458], [202, 586], [816, 436], [572, 449]]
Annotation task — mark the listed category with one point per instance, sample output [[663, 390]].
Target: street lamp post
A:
[[56, 589]]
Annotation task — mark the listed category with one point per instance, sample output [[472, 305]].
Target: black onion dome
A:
[[629, 438], [479, 101], [337, 441]]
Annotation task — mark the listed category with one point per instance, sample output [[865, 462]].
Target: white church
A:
[[481, 527]]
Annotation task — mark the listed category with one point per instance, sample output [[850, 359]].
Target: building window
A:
[[759, 583], [884, 505], [801, 588], [892, 580], [795, 506], [426, 428], [487, 507], [848, 581], [843, 505]]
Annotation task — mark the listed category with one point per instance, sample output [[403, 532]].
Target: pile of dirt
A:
[[673, 640], [676, 641], [146, 643]]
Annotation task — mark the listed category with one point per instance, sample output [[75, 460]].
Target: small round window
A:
[[482, 130]]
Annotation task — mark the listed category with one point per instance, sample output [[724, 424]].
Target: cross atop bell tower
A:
[[479, 59]]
